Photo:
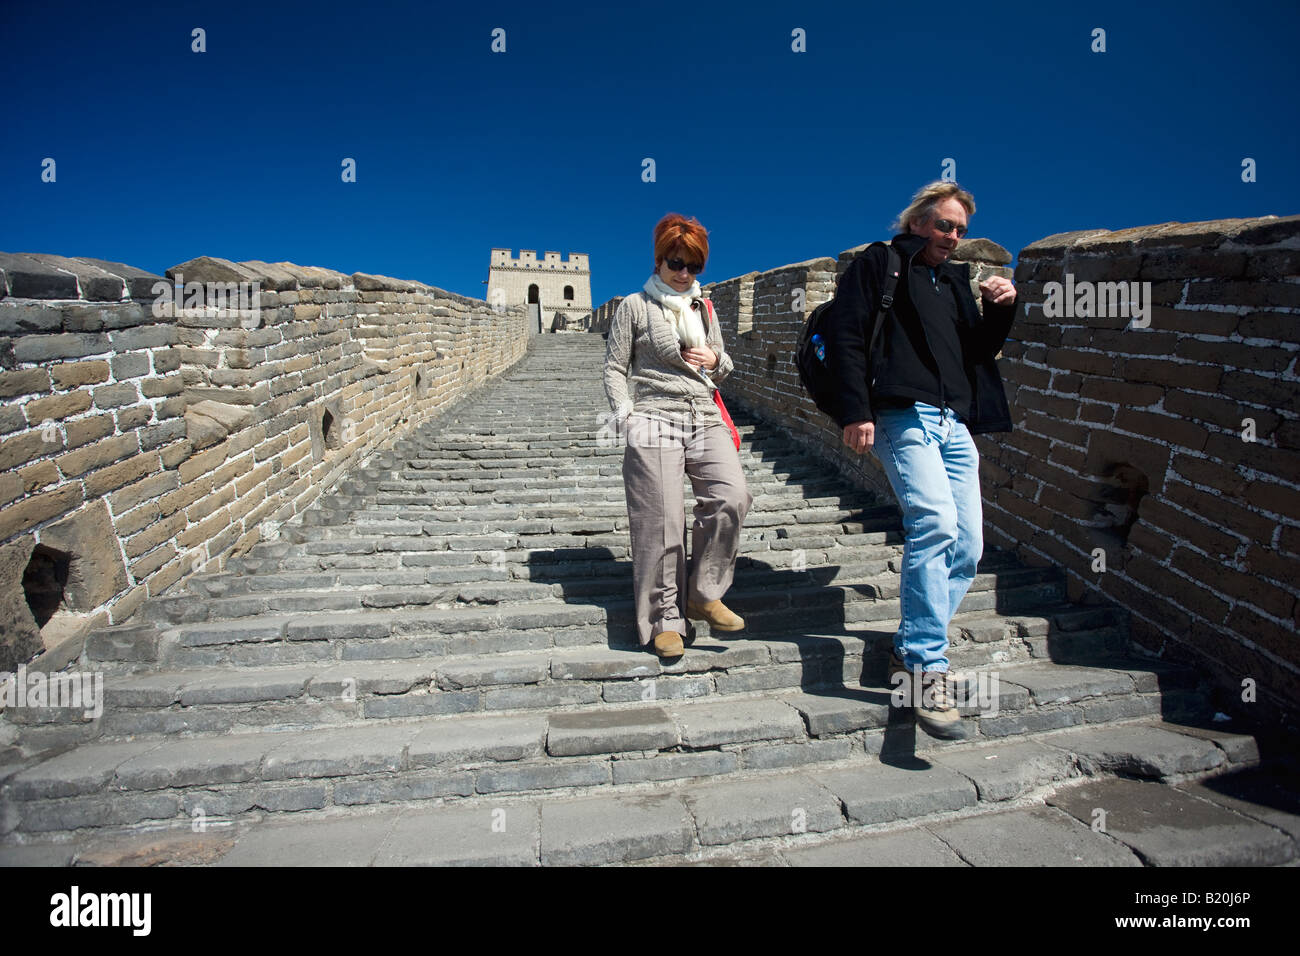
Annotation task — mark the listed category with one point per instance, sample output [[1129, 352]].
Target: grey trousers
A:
[[656, 456]]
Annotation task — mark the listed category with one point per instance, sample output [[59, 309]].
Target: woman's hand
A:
[[704, 357]]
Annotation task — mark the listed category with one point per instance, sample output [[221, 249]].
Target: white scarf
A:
[[686, 321]]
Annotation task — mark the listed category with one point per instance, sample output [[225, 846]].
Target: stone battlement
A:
[[149, 432], [1155, 391]]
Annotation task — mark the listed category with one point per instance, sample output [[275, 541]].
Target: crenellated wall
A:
[[1155, 458], [137, 448]]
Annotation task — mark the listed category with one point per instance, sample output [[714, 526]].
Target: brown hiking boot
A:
[[719, 616], [937, 711], [962, 683], [668, 644]]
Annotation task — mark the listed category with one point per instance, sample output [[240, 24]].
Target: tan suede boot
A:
[[668, 644], [719, 616]]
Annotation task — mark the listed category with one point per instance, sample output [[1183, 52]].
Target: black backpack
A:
[[818, 381]]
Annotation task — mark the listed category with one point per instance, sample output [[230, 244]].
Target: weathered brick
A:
[[1187, 527], [101, 482], [1274, 497], [1130, 394], [159, 387], [152, 487], [1260, 389], [74, 374], [154, 535], [130, 365], [55, 348], [77, 463], [88, 429], [1257, 293], [1201, 378], [1197, 322], [56, 407], [38, 476], [24, 382], [1164, 427], [203, 462], [21, 449], [112, 396], [1240, 520], [1235, 355], [31, 511]]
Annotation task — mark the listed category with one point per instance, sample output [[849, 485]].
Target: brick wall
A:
[[1154, 458], [136, 450]]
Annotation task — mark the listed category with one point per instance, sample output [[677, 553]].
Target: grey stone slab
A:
[[675, 766], [96, 811], [405, 787], [209, 804], [1030, 722], [87, 769], [371, 677], [529, 669], [879, 793], [1169, 827], [842, 711], [37, 854], [610, 731], [736, 721], [527, 777], [420, 704], [1239, 748], [614, 829], [1037, 836], [1059, 684], [916, 847], [774, 756], [337, 841], [651, 689], [199, 761], [1265, 794], [246, 686], [475, 739], [335, 753], [1007, 770], [547, 695], [484, 835], [1139, 750], [599, 663], [143, 690], [730, 811]]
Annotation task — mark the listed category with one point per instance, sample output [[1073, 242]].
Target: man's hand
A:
[[704, 357], [998, 290], [860, 436]]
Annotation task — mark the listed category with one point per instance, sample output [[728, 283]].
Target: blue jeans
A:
[[933, 466]]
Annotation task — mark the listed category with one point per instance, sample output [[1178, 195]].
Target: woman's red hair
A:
[[674, 232]]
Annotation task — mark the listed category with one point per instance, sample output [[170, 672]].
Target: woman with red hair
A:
[[664, 359]]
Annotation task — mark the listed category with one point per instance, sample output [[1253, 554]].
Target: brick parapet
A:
[[194, 435]]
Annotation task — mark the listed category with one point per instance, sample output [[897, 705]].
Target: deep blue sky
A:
[[164, 154]]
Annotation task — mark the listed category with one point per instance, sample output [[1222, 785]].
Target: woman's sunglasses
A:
[[676, 265]]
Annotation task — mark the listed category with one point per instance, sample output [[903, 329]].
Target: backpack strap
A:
[[892, 268]]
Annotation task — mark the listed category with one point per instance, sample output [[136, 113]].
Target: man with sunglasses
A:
[[930, 382]]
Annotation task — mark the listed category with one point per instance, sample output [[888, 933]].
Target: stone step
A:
[[328, 691], [1013, 802], [756, 593], [158, 780]]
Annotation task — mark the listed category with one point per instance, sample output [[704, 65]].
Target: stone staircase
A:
[[445, 643]]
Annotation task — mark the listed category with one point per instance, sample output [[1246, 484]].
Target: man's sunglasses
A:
[[676, 265], [946, 226]]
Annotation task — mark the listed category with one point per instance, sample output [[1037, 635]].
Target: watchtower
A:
[[556, 291]]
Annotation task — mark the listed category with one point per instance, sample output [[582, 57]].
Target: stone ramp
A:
[[449, 632]]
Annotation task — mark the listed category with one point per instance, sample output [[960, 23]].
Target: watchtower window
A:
[[533, 293], [568, 292]]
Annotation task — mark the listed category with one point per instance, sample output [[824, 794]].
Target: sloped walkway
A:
[[437, 665]]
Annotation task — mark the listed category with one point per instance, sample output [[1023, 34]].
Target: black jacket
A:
[[903, 366]]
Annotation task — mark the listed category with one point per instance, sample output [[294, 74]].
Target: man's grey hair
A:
[[925, 201]]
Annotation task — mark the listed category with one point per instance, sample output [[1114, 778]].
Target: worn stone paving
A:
[[436, 665]]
